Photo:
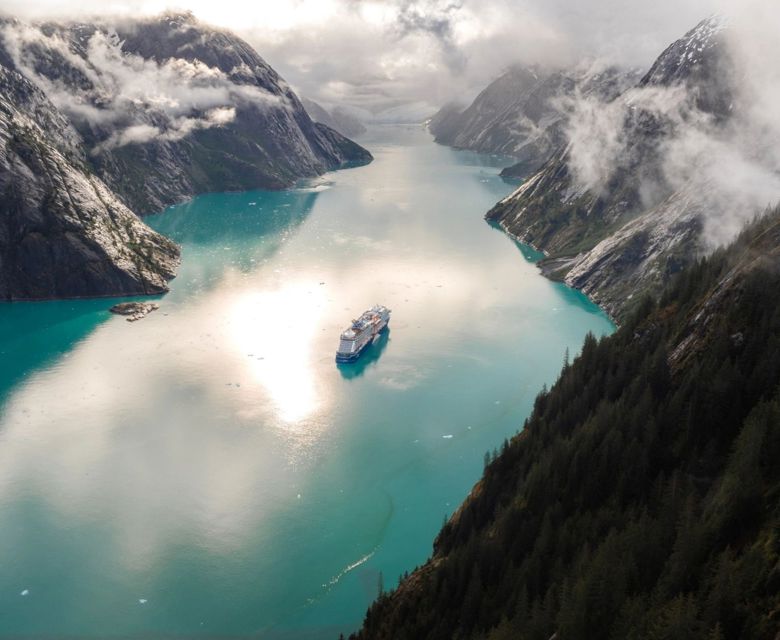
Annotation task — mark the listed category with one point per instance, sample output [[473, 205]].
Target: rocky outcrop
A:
[[134, 311], [641, 256]]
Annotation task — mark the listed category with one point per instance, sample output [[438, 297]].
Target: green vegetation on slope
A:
[[642, 498]]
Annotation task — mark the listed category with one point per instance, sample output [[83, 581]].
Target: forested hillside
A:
[[642, 497]]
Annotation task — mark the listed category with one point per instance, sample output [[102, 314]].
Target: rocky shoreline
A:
[[556, 268]]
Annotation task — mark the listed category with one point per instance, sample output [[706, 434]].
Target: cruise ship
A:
[[362, 332]]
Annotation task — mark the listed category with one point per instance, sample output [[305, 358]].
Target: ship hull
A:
[[352, 357], [345, 358]]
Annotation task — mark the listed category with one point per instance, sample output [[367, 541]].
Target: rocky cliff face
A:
[[520, 113], [619, 230], [101, 122], [63, 233]]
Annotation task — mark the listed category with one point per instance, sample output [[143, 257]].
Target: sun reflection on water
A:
[[275, 331]]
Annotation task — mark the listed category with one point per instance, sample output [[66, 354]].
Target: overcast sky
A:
[[379, 54]]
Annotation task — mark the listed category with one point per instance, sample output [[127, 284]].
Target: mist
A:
[[182, 96], [415, 55], [732, 167]]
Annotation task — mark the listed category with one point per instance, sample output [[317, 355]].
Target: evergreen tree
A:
[[640, 500]]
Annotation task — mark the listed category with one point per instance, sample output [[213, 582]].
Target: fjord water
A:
[[209, 470]]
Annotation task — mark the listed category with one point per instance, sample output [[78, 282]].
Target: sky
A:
[[384, 56]]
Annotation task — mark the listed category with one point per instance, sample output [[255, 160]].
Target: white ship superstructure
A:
[[362, 332]]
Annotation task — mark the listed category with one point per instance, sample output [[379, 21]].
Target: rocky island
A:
[[134, 310]]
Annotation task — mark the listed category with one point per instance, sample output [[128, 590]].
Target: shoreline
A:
[[501, 225]]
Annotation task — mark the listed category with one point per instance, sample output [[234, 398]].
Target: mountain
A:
[[640, 500], [520, 113], [337, 118], [169, 107], [63, 233], [446, 122], [104, 121], [621, 209]]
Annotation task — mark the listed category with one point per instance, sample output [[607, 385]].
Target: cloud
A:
[[731, 165], [600, 134], [176, 129], [137, 99], [438, 20], [379, 54], [137, 133], [733, 178]]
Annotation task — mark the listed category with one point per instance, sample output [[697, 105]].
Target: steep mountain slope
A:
[[63, 233], [642, 498], [337, 119], [169, 107], [485, 125], [100, 118], [624, 222], [520, 113]]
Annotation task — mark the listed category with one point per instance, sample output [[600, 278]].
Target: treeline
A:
[[642, 497]]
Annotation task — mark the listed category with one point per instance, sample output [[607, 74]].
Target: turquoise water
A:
[[209, 470]]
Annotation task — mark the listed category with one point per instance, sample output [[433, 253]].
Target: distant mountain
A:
[[520, 114], [640, 499], [446, 122], [337, 119], [627, 231], [149, 112]]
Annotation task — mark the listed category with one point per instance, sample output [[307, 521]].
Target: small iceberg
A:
[[448, 436], [25, 592], [142, 600]]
